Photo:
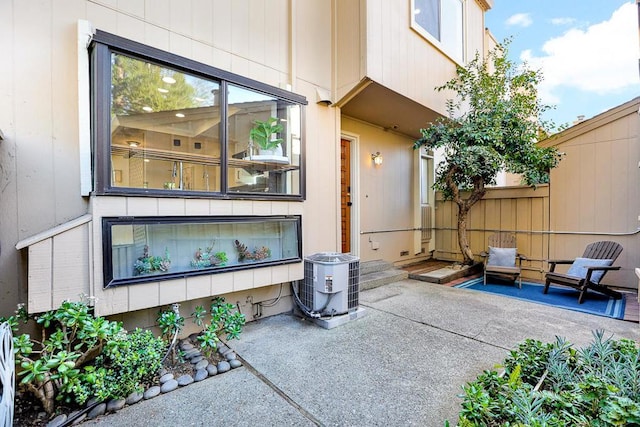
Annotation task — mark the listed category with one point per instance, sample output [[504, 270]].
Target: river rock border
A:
[[202, 367]]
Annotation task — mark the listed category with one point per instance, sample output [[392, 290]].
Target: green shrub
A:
[[79, 356], [71, 338], [532, 357], [126, 366], [556, 385]]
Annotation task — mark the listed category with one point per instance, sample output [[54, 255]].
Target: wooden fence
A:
[[527, 212]]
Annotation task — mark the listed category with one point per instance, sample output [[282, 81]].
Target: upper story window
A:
[[164, 125], [442, 23]]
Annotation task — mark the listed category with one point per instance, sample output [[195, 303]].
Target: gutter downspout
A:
[[293, 75], [85, 34]]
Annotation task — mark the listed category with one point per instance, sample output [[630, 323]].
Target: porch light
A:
[[133, 144], [377, 158]]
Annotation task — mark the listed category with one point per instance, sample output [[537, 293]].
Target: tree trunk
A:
[[463, 241], [477, 193], [45, 393]]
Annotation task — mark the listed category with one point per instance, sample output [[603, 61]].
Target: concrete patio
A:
[[403, 363]]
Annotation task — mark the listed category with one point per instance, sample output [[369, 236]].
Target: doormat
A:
[[567, 298]]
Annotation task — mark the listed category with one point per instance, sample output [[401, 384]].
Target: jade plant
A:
[[171, 323], [262, 133], [77, 356], [223, 319]]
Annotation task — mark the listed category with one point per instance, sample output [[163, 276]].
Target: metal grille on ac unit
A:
[[331, 283]]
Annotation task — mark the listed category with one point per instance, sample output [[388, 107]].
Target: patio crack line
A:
[[473, 338], [280, 392]]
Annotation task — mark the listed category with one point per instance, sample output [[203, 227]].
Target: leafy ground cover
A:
[[554, 384]]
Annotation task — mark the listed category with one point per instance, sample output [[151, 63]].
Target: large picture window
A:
[[166, 125], [442, 23]]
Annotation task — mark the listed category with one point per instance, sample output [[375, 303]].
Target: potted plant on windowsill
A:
[[269, 147]]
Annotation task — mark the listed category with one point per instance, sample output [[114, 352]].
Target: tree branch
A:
[[90, 354], [451, 184], [477, 193]]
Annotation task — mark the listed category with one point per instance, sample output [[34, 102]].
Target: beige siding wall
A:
[[386, 195], [278, 299], [313, 42], [589, 191], [250, 38], [283, 43], [402, 60], [59, 270], [12, 281], [595, 190], [375, 40], [141, 296], [59, 265], [321, 227], [476, 32], [350, 45], [39, 158], [66, 264]]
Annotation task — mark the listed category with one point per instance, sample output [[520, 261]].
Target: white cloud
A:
[[600, 59], [562, 21], [519, 19]]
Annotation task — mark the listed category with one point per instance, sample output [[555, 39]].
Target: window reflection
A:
[[166, 134], [264, 143], [165, 128]]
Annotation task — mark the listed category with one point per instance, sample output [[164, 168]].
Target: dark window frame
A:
[[107, 222], [102, 46]]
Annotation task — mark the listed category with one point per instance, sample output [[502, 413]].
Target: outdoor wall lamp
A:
[[377, 158]]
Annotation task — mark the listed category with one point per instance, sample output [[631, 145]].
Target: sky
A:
[[587, 51]]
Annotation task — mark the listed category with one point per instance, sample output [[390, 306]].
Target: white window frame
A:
[[445, 30]]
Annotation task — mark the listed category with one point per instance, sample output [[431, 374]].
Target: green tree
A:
[[135, 85], [493, 124]]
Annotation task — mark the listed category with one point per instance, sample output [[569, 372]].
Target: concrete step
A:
[[374, 266], [447, 274], [381, 278]]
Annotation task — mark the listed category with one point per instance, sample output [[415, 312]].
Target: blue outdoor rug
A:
[[567, 298]]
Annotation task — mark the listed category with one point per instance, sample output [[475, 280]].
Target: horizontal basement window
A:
[[151, 249]]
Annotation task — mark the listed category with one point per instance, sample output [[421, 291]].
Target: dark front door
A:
[[345, 194]]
